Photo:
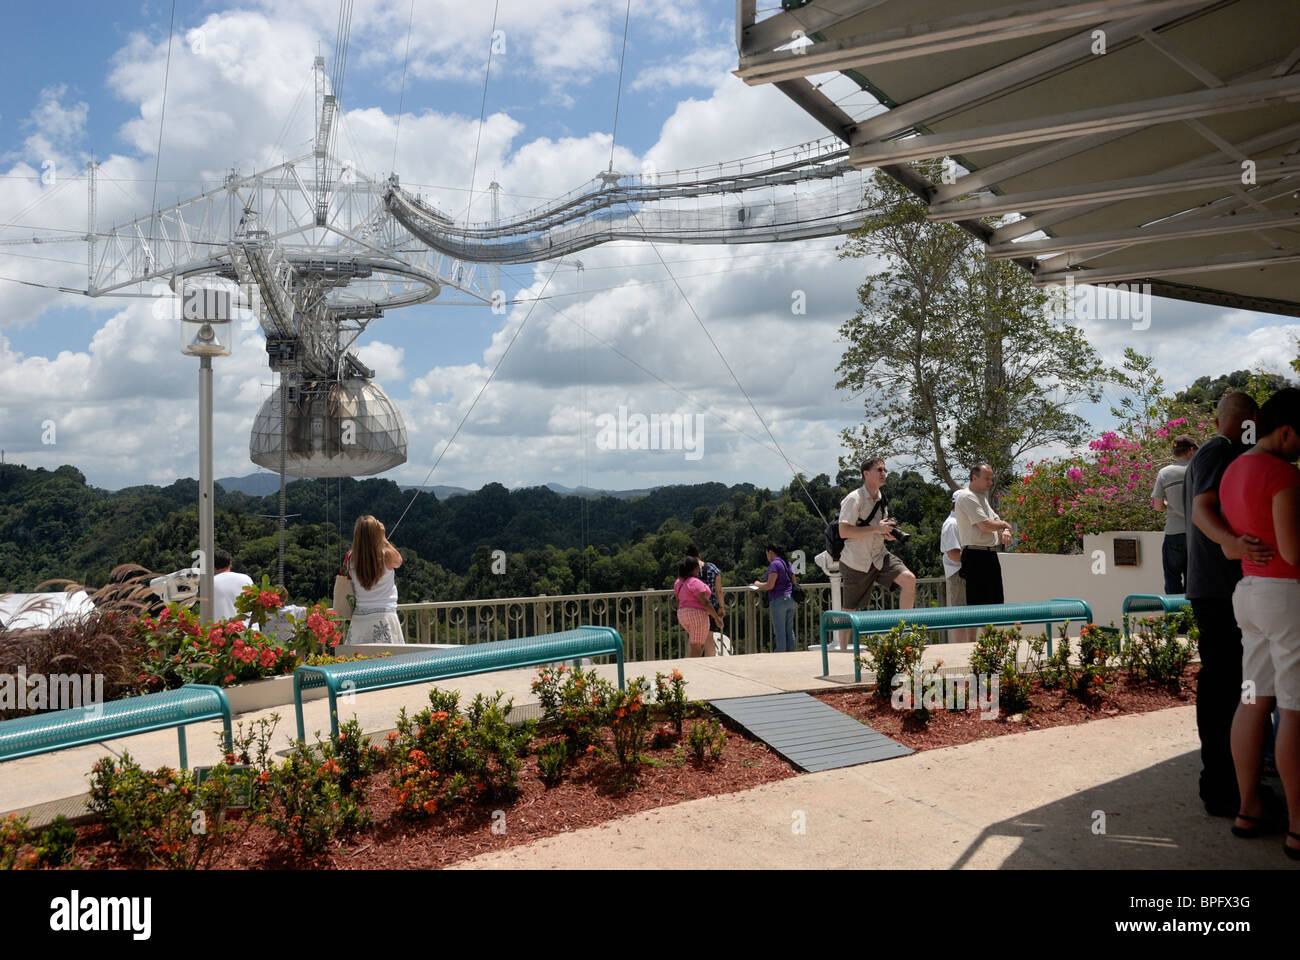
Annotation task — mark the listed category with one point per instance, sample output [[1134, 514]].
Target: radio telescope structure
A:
[[318, 251]]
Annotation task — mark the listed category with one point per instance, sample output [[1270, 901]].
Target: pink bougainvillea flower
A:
[[1075, 473]]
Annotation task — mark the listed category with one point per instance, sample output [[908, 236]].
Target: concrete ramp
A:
[[807, 732]]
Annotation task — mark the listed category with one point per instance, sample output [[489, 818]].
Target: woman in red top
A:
[[1260, 496]]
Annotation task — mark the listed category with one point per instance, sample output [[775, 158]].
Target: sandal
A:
[[1290, 851], [1263, 826]]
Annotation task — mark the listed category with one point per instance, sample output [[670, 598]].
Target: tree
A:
[[954, 354], [1204, 392]]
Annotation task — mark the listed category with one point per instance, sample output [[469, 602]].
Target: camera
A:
[[900, 535]]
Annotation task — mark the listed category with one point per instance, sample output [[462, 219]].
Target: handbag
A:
[[797, 593], [344, 598]]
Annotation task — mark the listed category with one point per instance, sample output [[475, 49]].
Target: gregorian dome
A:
[[347, 428]]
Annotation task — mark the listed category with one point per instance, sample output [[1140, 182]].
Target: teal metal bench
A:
[[401, 671], [1161, 603], [61, 729], [948, 618]]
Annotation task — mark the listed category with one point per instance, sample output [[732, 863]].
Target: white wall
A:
[[1029, 577]]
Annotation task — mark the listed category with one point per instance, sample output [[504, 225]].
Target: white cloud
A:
[[705, 67]]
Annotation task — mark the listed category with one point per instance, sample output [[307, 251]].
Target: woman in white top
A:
[[371, 563]]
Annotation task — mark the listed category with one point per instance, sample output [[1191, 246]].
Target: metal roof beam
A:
[[781, 29], [1050, 59], [1181, 59], [1265, 141], [1138, 271], [1139, 113], [926, 39], [821, 108], [1177, 229], [1167, 181], [1223, 209]]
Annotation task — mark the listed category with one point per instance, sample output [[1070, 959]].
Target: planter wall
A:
[[262, 694]]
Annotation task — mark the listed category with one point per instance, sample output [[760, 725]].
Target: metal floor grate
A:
[[807, 732]]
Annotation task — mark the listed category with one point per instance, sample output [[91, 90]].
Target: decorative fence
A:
[[645, 619]]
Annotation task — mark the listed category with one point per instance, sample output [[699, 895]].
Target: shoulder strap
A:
[[880, 505]]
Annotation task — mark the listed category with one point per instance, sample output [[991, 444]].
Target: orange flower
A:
[[430, 806]]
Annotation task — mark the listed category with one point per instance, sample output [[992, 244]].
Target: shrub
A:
[[551, 757], [1154, 655], [440, 756], [13, 835], [357, 759], [1057, 673], [1095, 651], [574, 703], [670, 697], [995, 647], [309, 804], [707, 740], [1059, 500], [54, 845], [996, 654], [160, 814], [629, 722], [889, 654]]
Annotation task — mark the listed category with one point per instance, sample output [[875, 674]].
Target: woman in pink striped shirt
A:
[[694, 612]]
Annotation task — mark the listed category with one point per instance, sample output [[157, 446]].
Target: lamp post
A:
[[205, 333]]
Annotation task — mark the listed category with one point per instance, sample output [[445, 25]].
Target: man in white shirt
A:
[[226, 586], [1167, 496], [982, 533], [864, 560], [950, 545]]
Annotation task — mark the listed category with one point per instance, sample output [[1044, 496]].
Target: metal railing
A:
[[646, 619]]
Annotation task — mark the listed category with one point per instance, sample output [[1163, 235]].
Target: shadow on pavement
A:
[[1149, 820]]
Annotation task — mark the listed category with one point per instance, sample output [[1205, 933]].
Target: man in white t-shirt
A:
[[983, 533], [226, 586], [950, 545]]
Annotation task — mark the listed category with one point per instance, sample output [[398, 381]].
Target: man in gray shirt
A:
[[1167, 495]]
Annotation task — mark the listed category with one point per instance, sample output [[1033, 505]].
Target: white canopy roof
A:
[[1154, 141]]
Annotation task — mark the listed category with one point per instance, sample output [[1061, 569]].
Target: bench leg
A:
[[180, 739], [857, 661], [826, 663]]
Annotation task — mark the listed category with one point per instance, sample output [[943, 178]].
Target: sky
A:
[[101, 384]]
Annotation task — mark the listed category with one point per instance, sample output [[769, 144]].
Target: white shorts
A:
[[1268, 612]]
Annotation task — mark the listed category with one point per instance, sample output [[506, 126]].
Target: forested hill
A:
[[53, 525]]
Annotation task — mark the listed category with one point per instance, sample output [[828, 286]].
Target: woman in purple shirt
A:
[[779, 584]]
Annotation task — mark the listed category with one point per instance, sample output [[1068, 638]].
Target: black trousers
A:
[[1218, 691], [983, 574]]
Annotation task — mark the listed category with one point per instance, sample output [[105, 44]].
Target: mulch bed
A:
[[589, 794], [1049, 708]]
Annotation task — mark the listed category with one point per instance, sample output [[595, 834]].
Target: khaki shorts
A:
[[956, 590], [857, 585]]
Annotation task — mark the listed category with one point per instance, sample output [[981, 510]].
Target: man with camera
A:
[[865, 525], [982, 533]]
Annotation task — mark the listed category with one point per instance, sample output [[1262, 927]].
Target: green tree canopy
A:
[[954, 355]]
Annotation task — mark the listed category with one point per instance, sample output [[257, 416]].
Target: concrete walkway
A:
[[1037, 799]]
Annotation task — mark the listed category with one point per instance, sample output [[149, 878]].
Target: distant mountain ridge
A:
[[265, 484]]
